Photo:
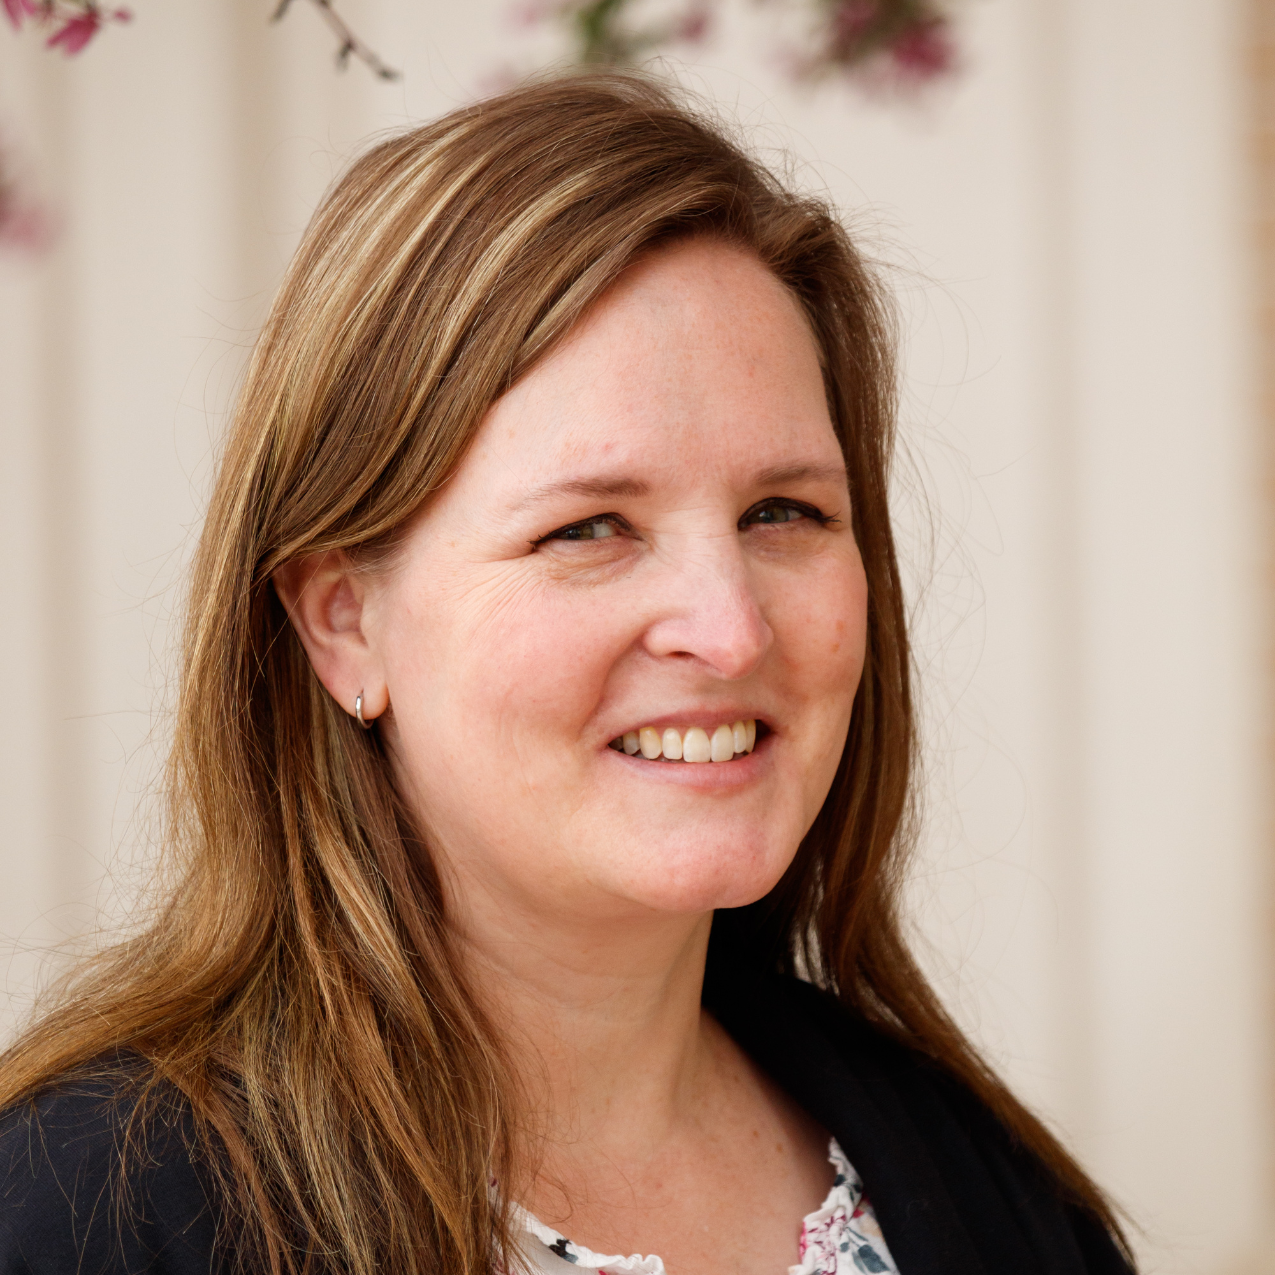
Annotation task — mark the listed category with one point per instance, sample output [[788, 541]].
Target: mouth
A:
[[726, 742]]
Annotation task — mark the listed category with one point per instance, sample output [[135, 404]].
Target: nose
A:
[[708, 611]]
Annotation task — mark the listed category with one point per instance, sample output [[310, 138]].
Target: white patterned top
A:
[[841, 1238]]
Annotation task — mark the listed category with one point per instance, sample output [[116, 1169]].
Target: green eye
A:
[[594, 529]]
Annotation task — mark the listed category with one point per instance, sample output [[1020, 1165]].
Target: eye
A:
[[769, 512], [600, 528]]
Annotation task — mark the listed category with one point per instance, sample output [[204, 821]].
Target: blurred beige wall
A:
[[1070, 232]]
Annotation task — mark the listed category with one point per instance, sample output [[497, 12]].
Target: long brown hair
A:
[[298, 987]]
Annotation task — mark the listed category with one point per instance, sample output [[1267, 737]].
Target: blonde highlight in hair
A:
[[299, 988]]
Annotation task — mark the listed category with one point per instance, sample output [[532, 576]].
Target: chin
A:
[[708, 878]]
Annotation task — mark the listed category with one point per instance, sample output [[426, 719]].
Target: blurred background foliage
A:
[[892, 45]]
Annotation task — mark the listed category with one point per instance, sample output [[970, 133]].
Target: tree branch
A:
[[348, 44]]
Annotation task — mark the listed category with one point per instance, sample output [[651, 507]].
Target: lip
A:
[[711, 776]]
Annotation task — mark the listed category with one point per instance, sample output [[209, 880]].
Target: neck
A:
[[601, 1020]]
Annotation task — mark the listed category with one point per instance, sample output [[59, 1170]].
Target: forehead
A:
[[697, 363]]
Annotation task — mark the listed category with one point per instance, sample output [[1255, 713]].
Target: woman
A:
[[541, 779]]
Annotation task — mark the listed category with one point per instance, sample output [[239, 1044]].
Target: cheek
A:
[[491, 686], [821, 624], [502, 662], [822, 633]]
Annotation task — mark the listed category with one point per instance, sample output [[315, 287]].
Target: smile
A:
[[694, 744]]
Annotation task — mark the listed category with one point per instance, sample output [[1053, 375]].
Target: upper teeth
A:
[[691, 744]]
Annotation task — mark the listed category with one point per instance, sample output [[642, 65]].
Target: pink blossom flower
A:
[[76, 32], [852, 19], [694, 26], [528, 13], [25, 223], [16, 10], [27, 228], [924, 51]]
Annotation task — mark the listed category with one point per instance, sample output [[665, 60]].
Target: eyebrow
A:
[[594, 488], [801, 473], [602, 488]]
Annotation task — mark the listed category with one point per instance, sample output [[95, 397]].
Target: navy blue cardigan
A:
[[953, 1193]]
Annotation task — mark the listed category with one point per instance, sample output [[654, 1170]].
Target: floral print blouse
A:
[[841, 1238]]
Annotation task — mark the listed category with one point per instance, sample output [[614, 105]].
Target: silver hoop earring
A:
[[358, 712]]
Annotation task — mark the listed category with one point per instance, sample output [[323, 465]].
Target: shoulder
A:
[[102, 1174], [953, 1190]]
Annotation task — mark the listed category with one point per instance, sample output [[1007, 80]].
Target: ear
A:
[[324, 599]]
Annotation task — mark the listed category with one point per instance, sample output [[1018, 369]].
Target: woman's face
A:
[[650, 533]]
